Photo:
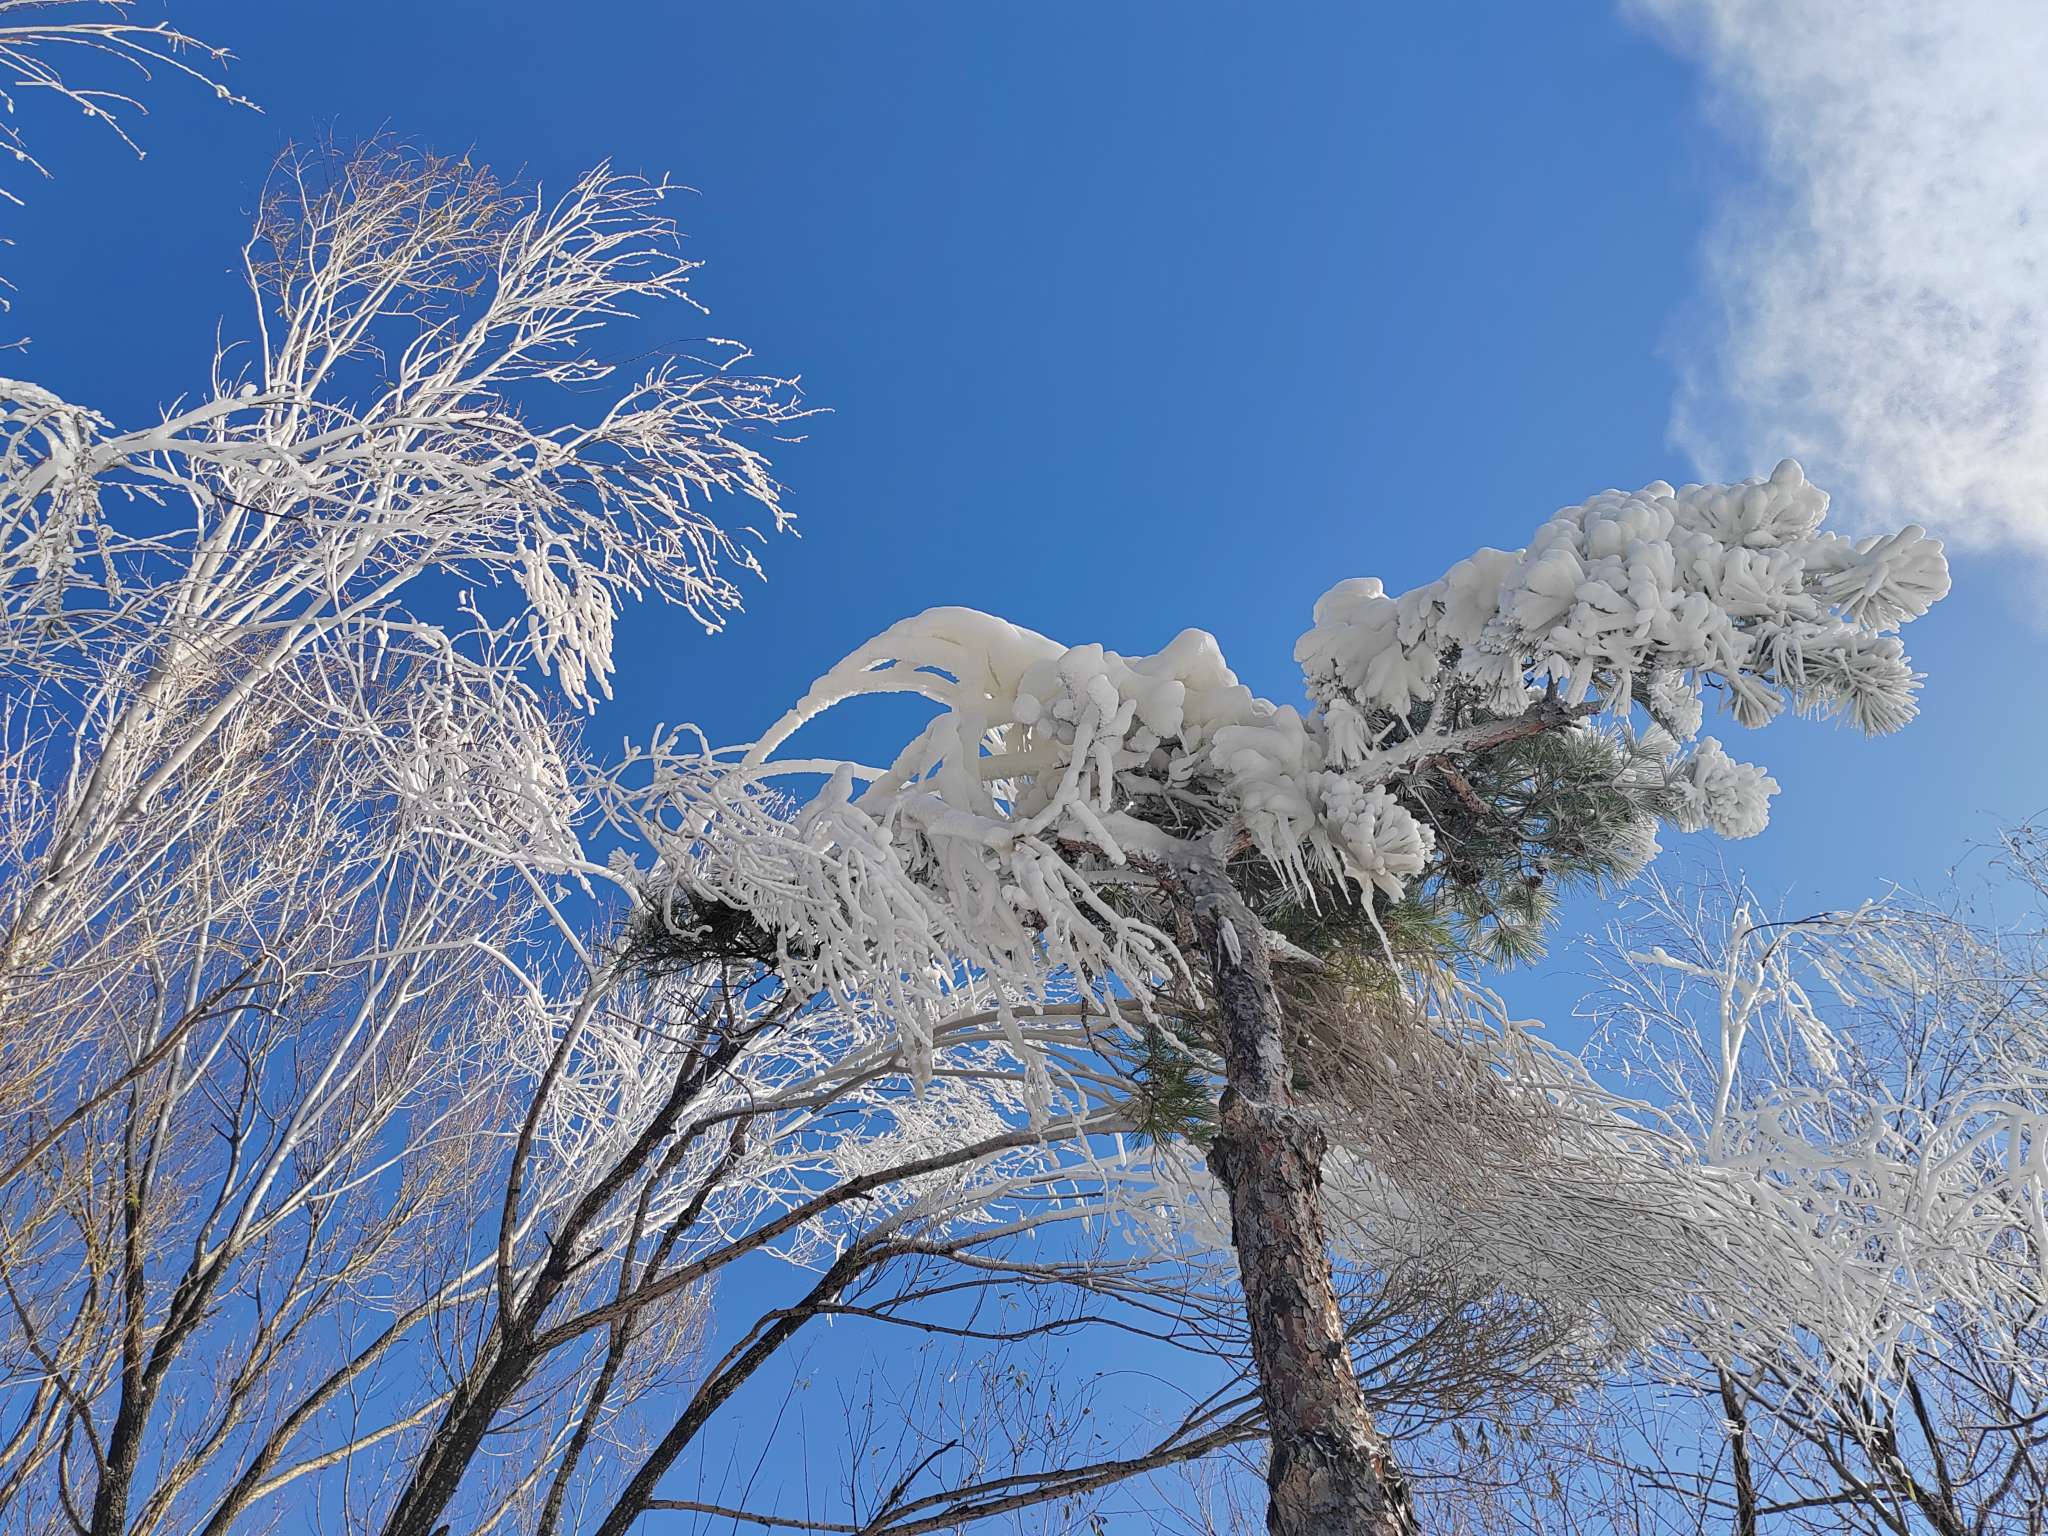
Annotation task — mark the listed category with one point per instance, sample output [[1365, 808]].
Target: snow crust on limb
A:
[[1048, 768], [1729, 588], [57, 59]]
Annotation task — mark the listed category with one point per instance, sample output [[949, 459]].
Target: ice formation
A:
[[1732, 589], [1052, 773]]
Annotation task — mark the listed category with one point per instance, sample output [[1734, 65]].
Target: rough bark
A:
[[1331, 1472]]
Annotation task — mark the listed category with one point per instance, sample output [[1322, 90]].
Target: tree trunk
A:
[[1331, 1473], [1738, 1448]]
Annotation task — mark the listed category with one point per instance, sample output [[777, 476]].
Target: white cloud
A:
[[1877, 300]]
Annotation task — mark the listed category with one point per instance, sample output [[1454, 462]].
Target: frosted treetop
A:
[[1053, 773]]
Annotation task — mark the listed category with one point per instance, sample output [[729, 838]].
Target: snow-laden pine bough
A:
[[1146, 829]]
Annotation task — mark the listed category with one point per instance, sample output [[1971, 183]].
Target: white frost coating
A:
[[1726, 586], [1868, 1084], [282, 546], [1051, 775], [1731, 798]]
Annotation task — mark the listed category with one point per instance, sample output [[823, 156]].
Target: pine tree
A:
[[1145, 827]]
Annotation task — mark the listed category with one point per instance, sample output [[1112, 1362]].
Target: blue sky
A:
[[1129, 317]]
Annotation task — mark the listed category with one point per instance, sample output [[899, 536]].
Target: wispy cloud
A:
[[1877, 298]]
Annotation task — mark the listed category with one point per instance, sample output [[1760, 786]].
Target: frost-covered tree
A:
[[271, 823], [382, 1101], [1131, 823], [330, 1061], [1892, 1062]]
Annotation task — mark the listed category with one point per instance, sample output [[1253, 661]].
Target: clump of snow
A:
[[1717, 792], [1377, 843]]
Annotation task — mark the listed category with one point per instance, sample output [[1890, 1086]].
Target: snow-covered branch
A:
[[55, 50], [1877, 1078], [1000, 828]]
